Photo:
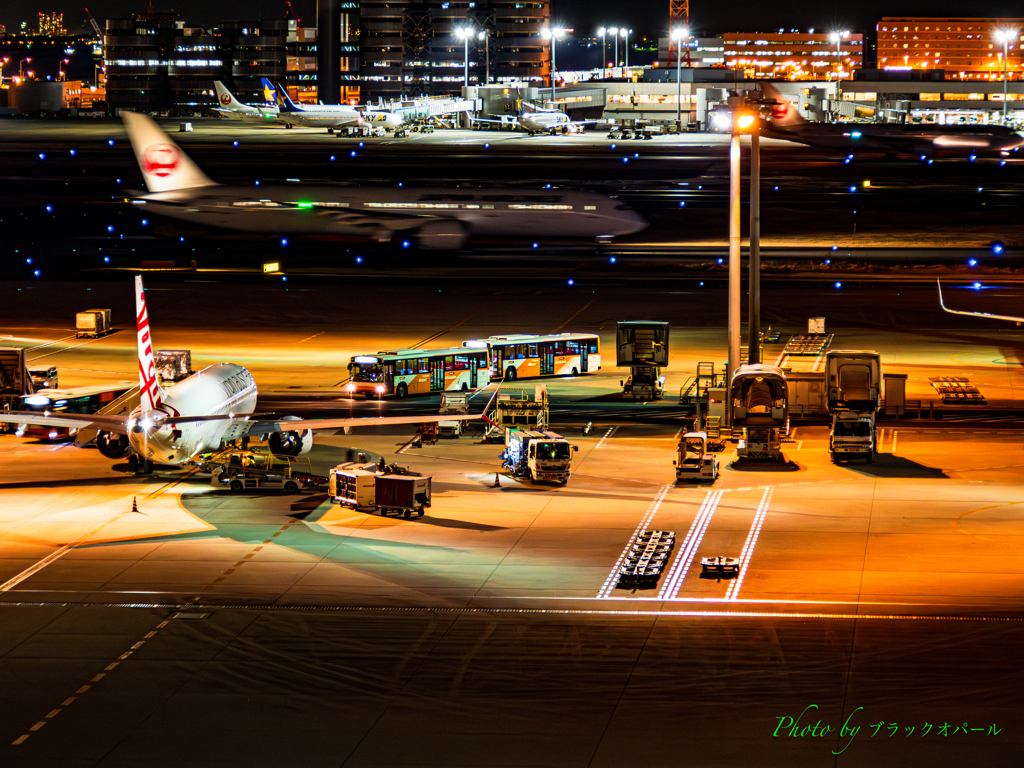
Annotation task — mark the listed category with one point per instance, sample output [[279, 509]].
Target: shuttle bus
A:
[[520, 356], [72, 400], [417, 372]]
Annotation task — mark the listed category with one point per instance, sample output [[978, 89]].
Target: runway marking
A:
[[573, 317], [169, 484], [85, 688], [58, 351], [690, 544], [800, 445], [210, 587], [732, 593], [673, 576], [606, 436], [613, 577], [429, 339], [59, 553], [894, 433]]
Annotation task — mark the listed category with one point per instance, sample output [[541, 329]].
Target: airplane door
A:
[[584, 349], [436, 374]]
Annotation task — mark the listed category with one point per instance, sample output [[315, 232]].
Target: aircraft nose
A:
[[631, 222]]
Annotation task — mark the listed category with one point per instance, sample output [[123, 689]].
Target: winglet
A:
[[164, 166], [149, 389], [942, 304]]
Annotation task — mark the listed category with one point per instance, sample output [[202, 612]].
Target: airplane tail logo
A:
[[161, 160], [783, 112], [149, 388], [269, 92], [225, 99]]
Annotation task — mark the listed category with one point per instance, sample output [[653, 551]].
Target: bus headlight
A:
[[380, 389], [350, 387]]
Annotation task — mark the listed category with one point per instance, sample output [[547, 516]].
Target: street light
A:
[[483, 35], [1006, 36], [553, 34], [625, 33], [464, 33], [614, 32], [837, 38], [679, 34], [601, 31], [21, 68]]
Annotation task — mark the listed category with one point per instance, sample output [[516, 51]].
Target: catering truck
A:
[[541, 456], [853, 380], [693, 461]]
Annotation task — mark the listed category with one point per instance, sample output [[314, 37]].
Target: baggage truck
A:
[[362, 489], [92, 324]]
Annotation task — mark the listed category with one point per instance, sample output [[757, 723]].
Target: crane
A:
[[95, 26]]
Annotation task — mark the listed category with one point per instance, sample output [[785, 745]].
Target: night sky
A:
[[648, 16]]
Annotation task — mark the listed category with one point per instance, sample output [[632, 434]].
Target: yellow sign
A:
[[273, 266]]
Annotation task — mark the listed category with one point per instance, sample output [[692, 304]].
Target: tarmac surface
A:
[[269, 629]]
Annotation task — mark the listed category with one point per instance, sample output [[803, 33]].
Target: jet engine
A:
[[291, 442], [440, 235], [112, 445]]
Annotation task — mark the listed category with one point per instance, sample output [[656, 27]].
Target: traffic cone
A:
[[497, 480], [135, 505]]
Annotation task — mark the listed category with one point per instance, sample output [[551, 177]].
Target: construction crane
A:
[[290, 13], [678, 15], [95, 26]]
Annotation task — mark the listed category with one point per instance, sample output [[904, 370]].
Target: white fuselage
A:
[[543, 121], [339, 116], [246, 112], [366, 211], [216, 390]]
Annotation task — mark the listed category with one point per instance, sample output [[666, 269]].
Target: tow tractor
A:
[[256, 470], [695, 462]]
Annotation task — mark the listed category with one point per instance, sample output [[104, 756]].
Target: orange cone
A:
[[135, 505], [497, 481]]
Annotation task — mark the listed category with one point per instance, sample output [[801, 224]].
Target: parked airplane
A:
[[785, 122], [233, 109], [200, 414], [535, 120], [988, 315], [331, 116], [435, 217]]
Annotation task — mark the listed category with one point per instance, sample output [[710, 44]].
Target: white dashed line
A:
[[606, 436], [613, 577], [691, 543], [748, 546]]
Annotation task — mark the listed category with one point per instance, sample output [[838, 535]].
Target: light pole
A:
[[679, 34], [604, 60], [21, 68], [736, 119], [483, 36], [1005, 36], [464, 33], [614, 32], [623, 32], [837, 38], [553, 34]]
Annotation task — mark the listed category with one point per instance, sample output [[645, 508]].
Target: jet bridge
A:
[[759, 397]]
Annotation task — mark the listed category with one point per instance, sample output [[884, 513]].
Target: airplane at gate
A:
[[233, 109], [332, 116], [200, 414]]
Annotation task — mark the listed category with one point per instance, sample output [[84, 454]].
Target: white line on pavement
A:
[[691, 543], [748, 546], [613, 577]]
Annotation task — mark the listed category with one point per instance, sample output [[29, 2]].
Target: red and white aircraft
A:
[[200, 414]]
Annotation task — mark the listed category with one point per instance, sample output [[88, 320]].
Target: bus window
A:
[[532, 350], [558, 347], [593, 347], [572, 348], [461, 363], [423, 365]]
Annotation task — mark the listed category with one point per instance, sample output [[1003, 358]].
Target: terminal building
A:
[[964, 48]]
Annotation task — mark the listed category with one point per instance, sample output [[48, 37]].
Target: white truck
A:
[[543, 457], [694, 462], [853, 380]]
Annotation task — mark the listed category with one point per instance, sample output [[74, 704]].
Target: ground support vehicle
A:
[[517, 408], [543, 457], [853, 381], [730, 566], [455, 403], [255, 470], [644, 383], [647, 558], [760, 407], [365, 490], [44, 378], [694, 462]]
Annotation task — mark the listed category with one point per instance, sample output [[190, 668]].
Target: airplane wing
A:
[[1010, 318], [113, 423]]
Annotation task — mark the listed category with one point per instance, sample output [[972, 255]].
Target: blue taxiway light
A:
[[835, 247], [332, 158], [406, 243], [284, 241], [72, 152], [28, 260], [110, 229], [702, 282], [352, 153], [977, 286], [721, 261], [853, 188], [37, 273], [997, 248], [827, 262], [284, 278], [972, 158], [930, 161], [972, 262], [846, 161], [487, 146], [536, 245], [257, 183], [776, 189], [625, 159], [571, 281], [106, 259], [838, 284], [181, 239], [235, 143], [49, 209], [359, 259], [1002, 163], [42, 155], [612, 259], [362, 143], [110, 143], [613, 146], [636, 155], [682, 203], [145, 222]]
